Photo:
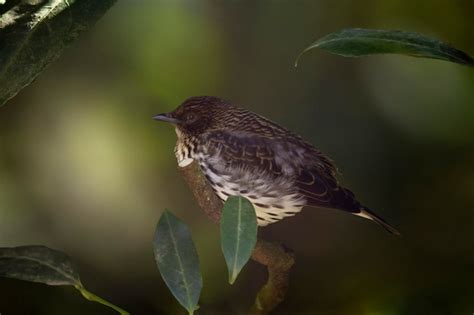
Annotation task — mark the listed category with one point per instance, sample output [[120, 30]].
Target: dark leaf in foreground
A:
[[34, 33]]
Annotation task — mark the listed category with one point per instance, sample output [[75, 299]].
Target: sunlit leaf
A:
[[177, 260], [238, 234], [362, 42], [45, 265], [48, 10], [34, 33]]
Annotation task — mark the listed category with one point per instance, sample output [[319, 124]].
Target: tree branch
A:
[[273, 256]]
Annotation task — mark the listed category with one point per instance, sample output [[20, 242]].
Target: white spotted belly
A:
[[273, 199]]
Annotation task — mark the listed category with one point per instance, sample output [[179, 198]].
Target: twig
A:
[[273, 256]]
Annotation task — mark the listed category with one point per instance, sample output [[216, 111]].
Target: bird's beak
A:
[[167, 118]]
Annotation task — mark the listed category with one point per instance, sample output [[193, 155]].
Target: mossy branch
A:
[[273, 256]]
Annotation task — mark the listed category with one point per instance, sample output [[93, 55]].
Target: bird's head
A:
[[197, 115]]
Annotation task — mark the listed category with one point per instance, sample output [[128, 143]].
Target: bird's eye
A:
[[190, 117]]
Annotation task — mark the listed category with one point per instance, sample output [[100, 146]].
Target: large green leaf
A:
[[361, 42], [45, 265], [177, 260], [238, 234], [34, 33]]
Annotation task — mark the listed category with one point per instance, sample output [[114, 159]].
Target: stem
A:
[[94, 298]]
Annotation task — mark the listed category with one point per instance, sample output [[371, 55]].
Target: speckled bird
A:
[[244, 154]]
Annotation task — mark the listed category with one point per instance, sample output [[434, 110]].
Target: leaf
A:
[[48, 10], [238, 234], [38, 264], [362, 42], [45, 265], [34, 33], [177, 260]]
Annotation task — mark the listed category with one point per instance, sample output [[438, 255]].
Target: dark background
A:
[[84, 168]]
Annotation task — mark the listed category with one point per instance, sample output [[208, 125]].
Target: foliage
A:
[[177, 260], [238, 234], [174, 250], [362, 42], [45, 265], [176, 255], [34, 35]]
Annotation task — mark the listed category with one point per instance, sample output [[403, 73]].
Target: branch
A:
[[278, 262], [273, 256]]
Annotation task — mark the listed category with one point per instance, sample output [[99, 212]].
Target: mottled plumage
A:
[[242, 153]]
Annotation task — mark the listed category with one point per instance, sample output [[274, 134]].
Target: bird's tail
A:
[[368, 214]]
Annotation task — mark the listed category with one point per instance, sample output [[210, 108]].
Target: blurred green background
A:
[[84, 168]]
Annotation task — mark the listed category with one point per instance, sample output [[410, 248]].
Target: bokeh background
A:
[[84, 168]]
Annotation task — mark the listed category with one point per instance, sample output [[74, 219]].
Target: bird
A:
[[244, 154]]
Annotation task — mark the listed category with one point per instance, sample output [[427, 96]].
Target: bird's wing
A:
[[314, 173], [243, 150], [324, 191]]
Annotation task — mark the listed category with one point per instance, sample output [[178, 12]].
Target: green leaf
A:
[[45, 265], [38, 264], [177, 260], [362, 42], [34, 33], [238, 234]]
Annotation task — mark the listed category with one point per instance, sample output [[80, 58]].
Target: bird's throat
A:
[[184, 150]]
